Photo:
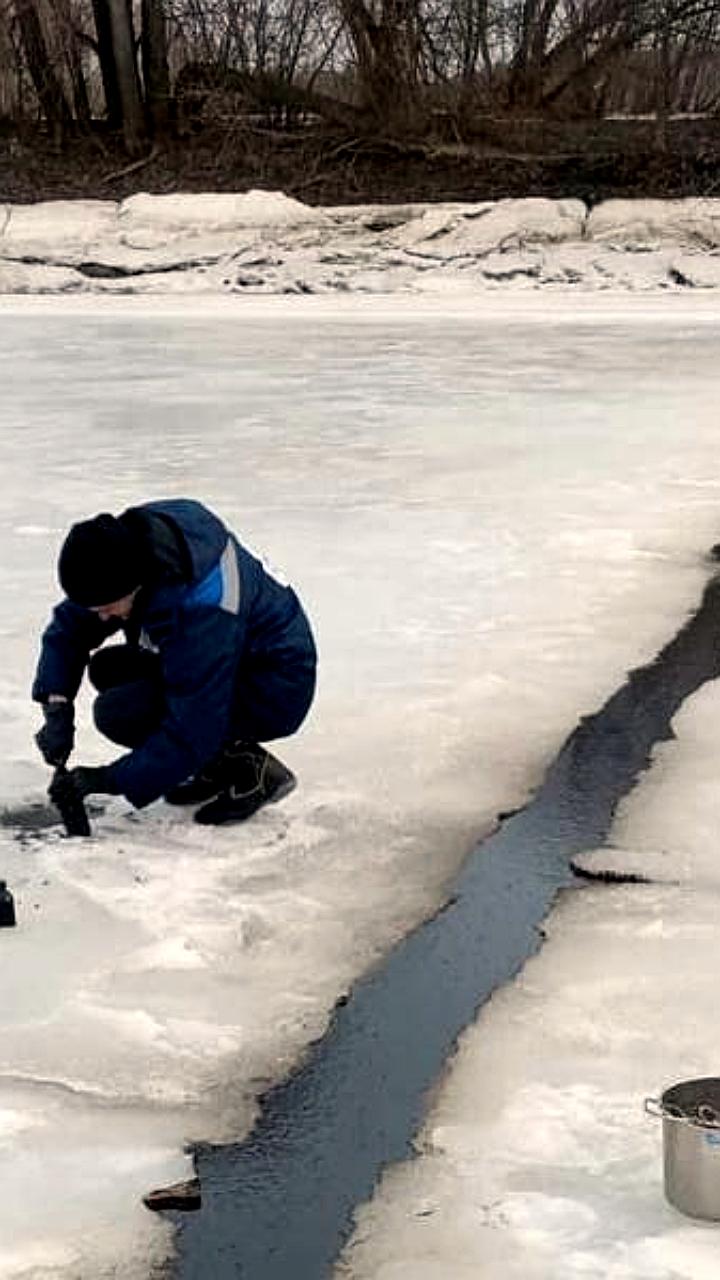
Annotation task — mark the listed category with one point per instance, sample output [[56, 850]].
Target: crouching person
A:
[[218, 658]]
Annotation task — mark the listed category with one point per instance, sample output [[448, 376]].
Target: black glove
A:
[[75, 784], [57, 735]]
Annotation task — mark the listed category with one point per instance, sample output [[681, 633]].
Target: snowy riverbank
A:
[[267, 243]]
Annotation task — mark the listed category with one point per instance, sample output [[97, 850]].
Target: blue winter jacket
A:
[[214, 616]]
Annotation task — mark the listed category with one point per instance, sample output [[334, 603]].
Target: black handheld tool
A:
[[7, 907], [71, 808]]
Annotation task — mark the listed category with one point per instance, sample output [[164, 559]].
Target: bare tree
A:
[[385, 38], [108, 68], [380, 67], [156, 75], [123, 45], [46, 81]]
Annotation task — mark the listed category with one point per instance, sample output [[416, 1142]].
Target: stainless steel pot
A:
[[690, 1113]]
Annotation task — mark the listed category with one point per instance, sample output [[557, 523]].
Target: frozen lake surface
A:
[[492, 511]]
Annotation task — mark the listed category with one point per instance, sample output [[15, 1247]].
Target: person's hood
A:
[[186, 539]]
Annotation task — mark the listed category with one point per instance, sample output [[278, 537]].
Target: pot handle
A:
[[659, 1110]]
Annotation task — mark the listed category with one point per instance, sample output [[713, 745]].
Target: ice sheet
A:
[[491, 517], [538, 1159]]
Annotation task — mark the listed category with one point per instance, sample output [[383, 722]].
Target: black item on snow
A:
[[69, 805], [184, 1197], [607, 877], [7, 907], [55, 739], [259, 778]]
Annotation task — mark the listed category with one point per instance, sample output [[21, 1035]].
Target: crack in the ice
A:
[[280, 1204]]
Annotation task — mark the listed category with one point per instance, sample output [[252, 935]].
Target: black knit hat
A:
[[100, 562]]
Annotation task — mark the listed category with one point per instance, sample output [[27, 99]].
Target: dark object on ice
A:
[[714, 552], [29, 819], [34, 818], [7, 907], [185, 1196], [70, 805], [608, 877]]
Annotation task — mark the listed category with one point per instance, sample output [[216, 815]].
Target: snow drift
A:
[[267, 242]]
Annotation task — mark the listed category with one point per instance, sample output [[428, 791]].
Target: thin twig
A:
[[132, 168]]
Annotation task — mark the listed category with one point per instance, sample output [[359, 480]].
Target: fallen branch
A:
[[131, 168]]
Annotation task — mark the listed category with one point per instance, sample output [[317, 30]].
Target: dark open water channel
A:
[[279, 1205]]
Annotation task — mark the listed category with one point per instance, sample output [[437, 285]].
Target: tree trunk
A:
[[523, 87], [108, 70], [156, 75], [48, 88], [81, 100], [662, 83], [67, 55], [387, 52], [133, 116]]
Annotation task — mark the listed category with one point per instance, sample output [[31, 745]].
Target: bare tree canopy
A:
[[390, 69]]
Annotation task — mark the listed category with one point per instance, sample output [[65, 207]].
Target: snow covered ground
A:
[[263, 242], [493, 509]]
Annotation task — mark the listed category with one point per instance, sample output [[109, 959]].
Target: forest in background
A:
[[347, 100]]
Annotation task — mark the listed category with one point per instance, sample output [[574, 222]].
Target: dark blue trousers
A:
[[269, 702]]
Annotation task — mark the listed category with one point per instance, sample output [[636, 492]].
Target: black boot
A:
[[214, 777], [203, 786], [258, 778]]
